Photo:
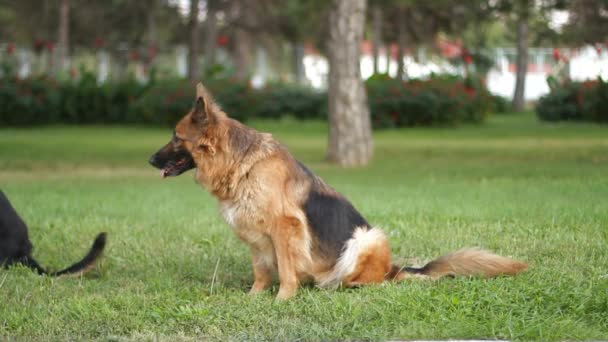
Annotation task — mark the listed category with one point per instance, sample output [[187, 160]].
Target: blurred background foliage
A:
[[66, 44]]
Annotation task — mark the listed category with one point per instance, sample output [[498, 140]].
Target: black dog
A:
[[15, 246]]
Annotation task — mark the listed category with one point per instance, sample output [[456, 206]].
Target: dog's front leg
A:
[[262, 269], [288, 279]]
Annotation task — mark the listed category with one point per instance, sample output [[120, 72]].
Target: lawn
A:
[[174, 270]]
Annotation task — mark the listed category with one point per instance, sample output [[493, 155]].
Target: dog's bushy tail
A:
[[88, 262], [467, 262]]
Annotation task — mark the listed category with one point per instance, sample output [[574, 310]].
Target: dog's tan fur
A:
[[261, 189]]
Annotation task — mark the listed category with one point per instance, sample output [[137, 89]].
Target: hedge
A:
[[446, 100], [42, 100], [575, 101]]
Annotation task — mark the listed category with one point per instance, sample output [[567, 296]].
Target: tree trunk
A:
[[210, 33], [401, 45], [377, 36], [63, 35], [193, 66], [151, 21], [151, 35], [243, 42], [350, 136], [522, 58], [298, 61], [243, 48]]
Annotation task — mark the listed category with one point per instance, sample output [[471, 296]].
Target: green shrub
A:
[[41, 100], [34, 101], [500, 104], [167, 101], [277, 99], [559, 105], [87, 101], [593, 100], [445, 100], [29, 101], [575, 101], [163, 104]]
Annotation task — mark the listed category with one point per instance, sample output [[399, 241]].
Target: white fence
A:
[[583, 64]]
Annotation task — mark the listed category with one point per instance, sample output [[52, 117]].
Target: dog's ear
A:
[[205, 111]]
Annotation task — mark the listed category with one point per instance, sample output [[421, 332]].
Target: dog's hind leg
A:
[[367, 257]]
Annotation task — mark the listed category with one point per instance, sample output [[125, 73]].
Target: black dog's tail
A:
[[83, 266], [88, 262]]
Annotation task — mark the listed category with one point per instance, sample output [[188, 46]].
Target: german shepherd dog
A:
[[16, 248], [292, 221]]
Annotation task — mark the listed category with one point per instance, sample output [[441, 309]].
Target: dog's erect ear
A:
[[205, 110]]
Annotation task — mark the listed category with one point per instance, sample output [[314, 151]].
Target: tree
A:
[[402, 40], [521, 64], [376, 35], [243, 38], [297, 22], [210, 32], [396, 28], [588, 22], [275, 22], [412, 23], [525, 14], [350, 136], [193, 65], [63, 34]]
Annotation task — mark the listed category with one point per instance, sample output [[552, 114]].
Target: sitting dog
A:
[[16, 248], [293, 222]]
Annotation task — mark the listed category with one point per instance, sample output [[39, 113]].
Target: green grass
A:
[[174, 270]]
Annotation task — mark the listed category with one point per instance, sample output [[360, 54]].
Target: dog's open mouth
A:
[[172, 169]]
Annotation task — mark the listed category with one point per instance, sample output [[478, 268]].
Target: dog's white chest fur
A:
[[229, 212]]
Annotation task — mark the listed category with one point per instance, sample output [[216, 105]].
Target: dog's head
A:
[[196, 138]]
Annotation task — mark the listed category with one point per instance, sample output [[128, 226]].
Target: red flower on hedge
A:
[[152, 51], [10, 49], [588, 84], [38, 44], [99, 43], [556, 54], [468, 59], [394, 116], [50, 46], [470, 91], [222, 40], [579, 98], [134, 56]]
